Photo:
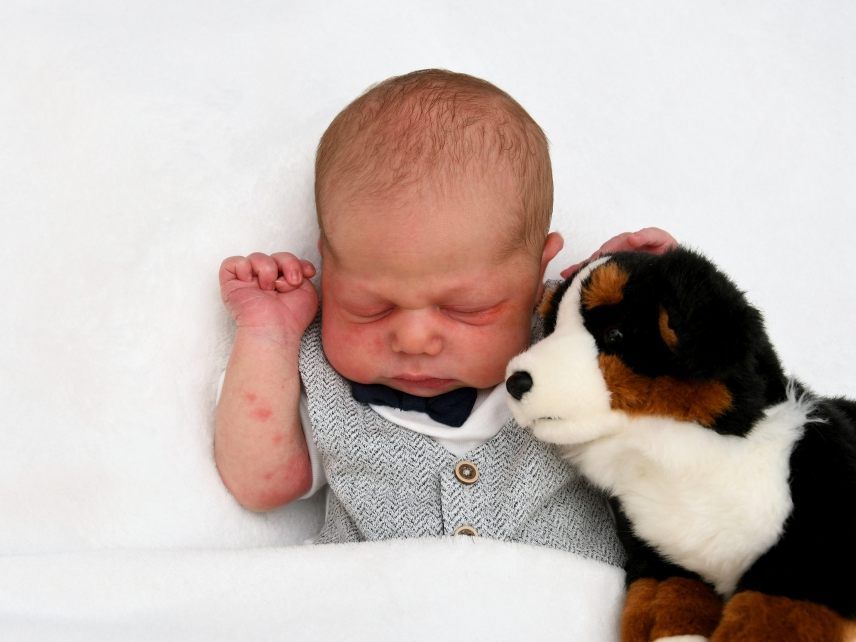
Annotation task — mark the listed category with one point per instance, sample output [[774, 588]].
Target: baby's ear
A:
[[704, 319]]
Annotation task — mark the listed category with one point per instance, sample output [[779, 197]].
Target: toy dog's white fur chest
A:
[[708, 502]]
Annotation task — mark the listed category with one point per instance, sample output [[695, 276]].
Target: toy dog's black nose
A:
[[518, 384]]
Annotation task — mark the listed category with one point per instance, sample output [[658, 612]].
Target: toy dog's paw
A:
[[754, 617], [637, 619], [674, 610]]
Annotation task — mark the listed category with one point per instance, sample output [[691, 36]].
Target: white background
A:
[[143, 142]]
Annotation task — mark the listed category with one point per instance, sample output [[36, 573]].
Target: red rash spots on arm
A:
[[262, 414]]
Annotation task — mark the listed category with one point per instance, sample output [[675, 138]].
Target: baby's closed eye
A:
[[367, 315], [473, 314]]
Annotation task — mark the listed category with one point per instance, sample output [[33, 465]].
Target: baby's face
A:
[[419, 297]]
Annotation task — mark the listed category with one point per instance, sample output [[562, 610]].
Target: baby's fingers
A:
[[292, 271], [652, 239], [265, 268], [308, 268], [620, 243], [571, 269], [235, 267]]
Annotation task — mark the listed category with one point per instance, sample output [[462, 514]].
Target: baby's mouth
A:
[[421, 380]]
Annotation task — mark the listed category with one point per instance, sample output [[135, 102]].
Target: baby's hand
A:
[[269, 291], [649, 239]]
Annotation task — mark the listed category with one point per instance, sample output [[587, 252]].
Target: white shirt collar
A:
[[489, 414]]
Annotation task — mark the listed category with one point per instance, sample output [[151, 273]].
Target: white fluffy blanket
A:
[[141, 143], [409, 589]]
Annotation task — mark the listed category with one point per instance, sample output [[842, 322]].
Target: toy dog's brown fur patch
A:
[[676, 606], [766, 618], [669, 336], [700, 401], [605, 286], [685, 607], [637, 618]]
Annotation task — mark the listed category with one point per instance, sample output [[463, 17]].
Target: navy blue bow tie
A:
[[451, 408]]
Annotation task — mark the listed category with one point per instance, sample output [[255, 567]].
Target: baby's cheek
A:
[[488, 352], [353, 351], [363, 342]]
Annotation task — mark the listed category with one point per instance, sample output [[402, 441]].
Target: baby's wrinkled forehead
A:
[[441, 226]]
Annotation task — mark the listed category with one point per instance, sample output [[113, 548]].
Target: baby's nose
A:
[[518, 384], [417, 336]]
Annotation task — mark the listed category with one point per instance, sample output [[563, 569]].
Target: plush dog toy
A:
[[734, 489]]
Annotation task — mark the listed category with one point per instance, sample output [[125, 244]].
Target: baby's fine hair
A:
[[438, 123]]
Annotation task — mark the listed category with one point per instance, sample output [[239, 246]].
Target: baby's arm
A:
[[259, 445]]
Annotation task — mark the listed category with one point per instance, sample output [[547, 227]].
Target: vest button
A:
[[467, 530], [467, 472]]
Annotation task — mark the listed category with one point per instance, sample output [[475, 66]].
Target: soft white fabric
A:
[[435, 589], [142, 143]]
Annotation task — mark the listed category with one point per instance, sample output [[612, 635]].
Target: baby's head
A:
[[427, 133], [434, 193]]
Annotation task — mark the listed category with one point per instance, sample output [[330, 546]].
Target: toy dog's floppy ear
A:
[[549, 306], [704, 319], [545, 306]]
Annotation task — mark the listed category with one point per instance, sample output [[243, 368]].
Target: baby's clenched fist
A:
[[274, 291]]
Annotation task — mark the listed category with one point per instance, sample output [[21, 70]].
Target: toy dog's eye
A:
[[612, 337]]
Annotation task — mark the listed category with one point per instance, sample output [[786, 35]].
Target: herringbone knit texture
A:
[[389, 482]]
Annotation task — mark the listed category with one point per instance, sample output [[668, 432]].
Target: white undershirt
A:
[[489, 414]]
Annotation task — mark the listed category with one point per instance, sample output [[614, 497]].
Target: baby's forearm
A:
[[259, 445]]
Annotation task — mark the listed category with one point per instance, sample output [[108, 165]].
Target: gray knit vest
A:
[[386, 481]]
